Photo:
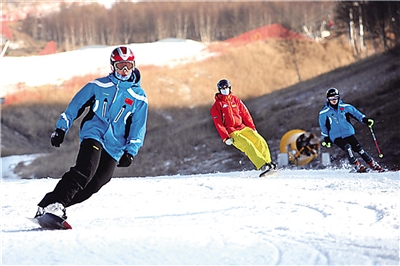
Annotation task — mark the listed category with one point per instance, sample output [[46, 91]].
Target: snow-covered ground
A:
[[57, 68], [324, 217]]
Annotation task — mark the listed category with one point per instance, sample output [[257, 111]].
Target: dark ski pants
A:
[[94, 168], [350, 144]]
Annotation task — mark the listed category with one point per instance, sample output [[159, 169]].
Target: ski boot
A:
[[359, 167], [375, 166]]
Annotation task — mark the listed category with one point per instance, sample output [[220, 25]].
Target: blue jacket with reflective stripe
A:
[[117, 117], [335, 123]]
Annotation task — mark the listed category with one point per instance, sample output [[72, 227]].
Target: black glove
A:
[[327, 142], [368, 121], [57, 137], [125, 160]]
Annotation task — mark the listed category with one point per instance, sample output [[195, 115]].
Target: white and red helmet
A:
[[121, 54]]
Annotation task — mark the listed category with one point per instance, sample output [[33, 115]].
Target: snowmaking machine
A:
[[299, 147]]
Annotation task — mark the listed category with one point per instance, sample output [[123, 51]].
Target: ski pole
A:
[[376, 142]]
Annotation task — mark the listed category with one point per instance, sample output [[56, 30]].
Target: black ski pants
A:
[[94, 168], [350, 144]]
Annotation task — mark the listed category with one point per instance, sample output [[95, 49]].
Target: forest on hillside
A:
[[76, 25]]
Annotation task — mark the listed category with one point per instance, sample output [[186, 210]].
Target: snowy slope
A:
[[311, 217], [57, 68]]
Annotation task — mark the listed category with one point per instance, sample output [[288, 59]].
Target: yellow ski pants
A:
[[253, 145]]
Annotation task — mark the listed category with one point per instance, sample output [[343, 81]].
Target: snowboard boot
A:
[[359, 167], [375, 166], [39, 212], [267, 167], [56, 209]]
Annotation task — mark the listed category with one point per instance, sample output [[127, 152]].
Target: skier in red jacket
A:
[[235, 125]]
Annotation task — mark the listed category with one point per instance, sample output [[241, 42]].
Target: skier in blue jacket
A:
[[334, 121], [111, 133]]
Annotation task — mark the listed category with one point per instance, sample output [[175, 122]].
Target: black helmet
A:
[[223, 84], [332, 92]]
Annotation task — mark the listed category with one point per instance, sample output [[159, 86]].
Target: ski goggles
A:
[[333, 98], [121, 65]]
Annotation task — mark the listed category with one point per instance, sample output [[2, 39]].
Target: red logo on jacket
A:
[[128, 101]]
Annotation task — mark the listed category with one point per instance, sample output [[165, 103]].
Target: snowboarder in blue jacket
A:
[[111, 133], [334, 121]]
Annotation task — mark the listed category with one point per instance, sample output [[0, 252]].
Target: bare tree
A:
[[205, 22], [373, 20], [181, 24], [291, 49]]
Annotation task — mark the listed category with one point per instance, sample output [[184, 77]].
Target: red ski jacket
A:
[[230, 114]]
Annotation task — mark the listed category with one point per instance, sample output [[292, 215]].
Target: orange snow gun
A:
[[300, 146]]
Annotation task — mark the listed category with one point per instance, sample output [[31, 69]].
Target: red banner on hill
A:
[[50, 48], [6, 31], [274, 31]]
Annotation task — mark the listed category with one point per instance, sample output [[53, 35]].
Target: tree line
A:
[[376, 21], [76, 25]]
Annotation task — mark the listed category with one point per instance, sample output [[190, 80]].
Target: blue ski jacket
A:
[[335, 123], [117, 116]]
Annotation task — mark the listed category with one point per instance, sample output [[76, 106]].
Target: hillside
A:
[[181, 137], [373, 85]]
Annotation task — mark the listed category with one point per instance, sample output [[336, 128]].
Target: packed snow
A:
[[324, 217]]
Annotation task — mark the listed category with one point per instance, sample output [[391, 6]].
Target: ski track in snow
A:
[[311, 217]]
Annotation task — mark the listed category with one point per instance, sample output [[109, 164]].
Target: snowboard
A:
[[51, 221], [270, 173]]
